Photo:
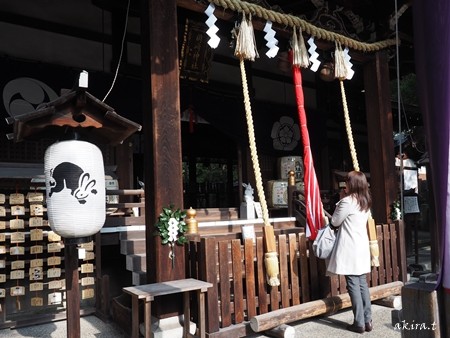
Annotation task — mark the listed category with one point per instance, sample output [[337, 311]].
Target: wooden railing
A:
[[240, 290]]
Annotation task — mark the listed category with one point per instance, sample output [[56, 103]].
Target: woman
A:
[[351, 254]]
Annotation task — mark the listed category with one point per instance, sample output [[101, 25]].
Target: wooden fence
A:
[[241, 292]]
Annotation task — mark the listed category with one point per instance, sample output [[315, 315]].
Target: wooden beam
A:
[[58, 28], [290, 314], [394, 302]]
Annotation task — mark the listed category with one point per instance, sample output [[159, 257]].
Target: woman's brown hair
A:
[[357, 186]]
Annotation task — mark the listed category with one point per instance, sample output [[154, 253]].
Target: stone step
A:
[[139, 278], [138, 234], [136, 262], [132, 246]]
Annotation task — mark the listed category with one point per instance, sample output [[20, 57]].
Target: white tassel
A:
[[246, 42], [299, 51], [340, 66]]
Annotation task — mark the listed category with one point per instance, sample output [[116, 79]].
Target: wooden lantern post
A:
[[86, 118]]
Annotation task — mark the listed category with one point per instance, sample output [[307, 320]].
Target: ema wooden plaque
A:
[[37, 301], [17, 274], [36, 210], [36, 262], [36, 249], [17, 210], [54, 260], [15, 224], [85, 281], [54, 247], [36, 273], [17, 237], [16, 250], [35, 197], [36, 234], [17, 291], [54, 273], [36, 222], [36, 286], [87, 268], [89, 255], [54, 298], [87, 293], [16, 199], [16, 265], [53, 237], [88, 246], [54, 284]]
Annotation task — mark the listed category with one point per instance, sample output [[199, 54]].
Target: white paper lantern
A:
[[75, 185]]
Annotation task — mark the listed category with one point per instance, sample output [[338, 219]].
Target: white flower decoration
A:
[[173, 222], [172, 229]]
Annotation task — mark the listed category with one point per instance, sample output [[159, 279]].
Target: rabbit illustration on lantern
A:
[[70, 176]]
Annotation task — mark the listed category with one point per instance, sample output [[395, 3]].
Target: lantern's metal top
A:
[[77, 112]]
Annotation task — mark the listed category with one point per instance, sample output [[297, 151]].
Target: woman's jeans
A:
[[360, 298]]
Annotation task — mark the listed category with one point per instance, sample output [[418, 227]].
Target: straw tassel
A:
[[340, 66], [299, 51], [246, 50], [246, 42]]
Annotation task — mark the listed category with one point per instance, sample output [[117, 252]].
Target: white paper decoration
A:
[[213, 29], [350, 71], [313, 55], [75, 185], [272, 42]]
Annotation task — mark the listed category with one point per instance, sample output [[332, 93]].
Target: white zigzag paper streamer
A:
[[313, 55], [213, 29], [271, 41], [350, 71]]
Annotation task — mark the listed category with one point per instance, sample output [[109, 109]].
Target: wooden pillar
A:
[[380, 135], [162, 131], [72, 290]]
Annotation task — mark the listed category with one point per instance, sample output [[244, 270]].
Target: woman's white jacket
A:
[[351, 253]]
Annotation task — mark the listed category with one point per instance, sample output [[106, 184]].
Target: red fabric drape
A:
[[314, 207]]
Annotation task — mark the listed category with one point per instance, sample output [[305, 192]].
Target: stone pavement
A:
[[325, 326], [317, 327]]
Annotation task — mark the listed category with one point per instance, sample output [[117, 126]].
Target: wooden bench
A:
[[148, 293]]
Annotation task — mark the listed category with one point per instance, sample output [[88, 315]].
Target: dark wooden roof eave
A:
[[98, 122]]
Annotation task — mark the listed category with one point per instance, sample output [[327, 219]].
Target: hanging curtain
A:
[[432, 58]]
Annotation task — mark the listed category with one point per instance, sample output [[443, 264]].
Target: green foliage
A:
[[408, 90], [164, 222], [395, 211]]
